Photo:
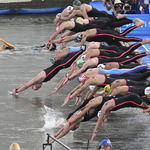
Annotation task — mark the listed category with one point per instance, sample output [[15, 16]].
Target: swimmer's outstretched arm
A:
[[71, 37], [79, 70], [81, 89], [105, 109], [64, 81], [59, 85], [67, 127], [37, 79]]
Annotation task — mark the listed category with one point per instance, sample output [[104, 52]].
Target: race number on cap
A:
[[147, 90], [35, 87], [69, 8], [82, 77]]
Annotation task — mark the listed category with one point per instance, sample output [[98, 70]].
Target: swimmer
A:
[[47, 74]]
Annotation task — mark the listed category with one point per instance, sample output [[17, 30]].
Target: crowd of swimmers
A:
[[113, 71]]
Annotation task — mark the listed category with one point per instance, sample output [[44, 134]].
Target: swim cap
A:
[[14, 146], [101, 66], [57, 28], [82, 77], [79, 18], [98, 114], [107, 88], [79, 62], [72, 19], [106, 141], [79, 37], [83, 47], [76, 3], [69, 9], [147, 90], [35, 87], [58, 15], [92, 87], [83, 57]]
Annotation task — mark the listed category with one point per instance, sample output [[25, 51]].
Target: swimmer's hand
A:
[[14, 92], [54, 90], [78, 100], [66, 101], [93, 136], [51, 141], [47, 45]]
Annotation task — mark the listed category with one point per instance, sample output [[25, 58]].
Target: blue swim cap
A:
[[106, 141], [76, 3]]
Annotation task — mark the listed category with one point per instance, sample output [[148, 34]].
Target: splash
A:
[[51, 118]]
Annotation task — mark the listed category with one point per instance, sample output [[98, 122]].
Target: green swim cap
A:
[[76, 3], [79, 62]]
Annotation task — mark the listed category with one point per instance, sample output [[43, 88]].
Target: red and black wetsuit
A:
[[129, 100], [60, 64], [112, 37]]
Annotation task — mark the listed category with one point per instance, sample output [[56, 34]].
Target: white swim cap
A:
[[69, 9], [98, 114], [92, 87], [83, 57], [101, 66], [58, 15], [147, 90]]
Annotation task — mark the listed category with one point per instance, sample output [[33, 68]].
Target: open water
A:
[[28, 117]]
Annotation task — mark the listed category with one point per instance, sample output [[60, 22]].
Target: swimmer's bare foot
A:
[[148, 65], [119, 16], [138, 22], [145, 41]]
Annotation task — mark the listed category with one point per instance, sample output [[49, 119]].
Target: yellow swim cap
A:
[[79, 18], [107, 88]]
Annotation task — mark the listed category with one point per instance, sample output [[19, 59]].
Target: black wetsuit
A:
[[121, 101], [86, 116], [129, 100], [96, 13], [104, 22], [121, 60], [137, 89], [127, 51], [112, 37], [60, 64], [109, 25]]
